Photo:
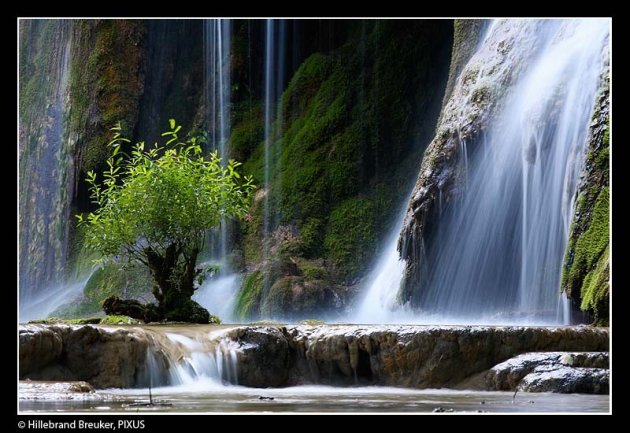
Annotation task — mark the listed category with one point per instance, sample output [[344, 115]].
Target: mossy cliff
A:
[[358, 103], [352, 123], [586, 270], [78, 78], [45, 154]]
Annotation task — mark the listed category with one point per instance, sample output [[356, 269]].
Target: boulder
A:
[[564, 372], [262, 356]]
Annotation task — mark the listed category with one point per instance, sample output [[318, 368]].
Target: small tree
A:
[[154, 207]]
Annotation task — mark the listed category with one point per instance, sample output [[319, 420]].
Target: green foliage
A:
[[160, 202], [167, 194]]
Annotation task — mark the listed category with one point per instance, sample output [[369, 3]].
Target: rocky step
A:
[[273, 356]]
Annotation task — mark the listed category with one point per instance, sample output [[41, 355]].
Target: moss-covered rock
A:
[[586, 273], [111, 279], [107, 320], [295, 298], [189, 311], [249, 296], [350, 122], [351, 235], [107, 82]]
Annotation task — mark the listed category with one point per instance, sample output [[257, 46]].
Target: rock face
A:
[[409, 356], [586, 270], [552, 372], [104, 357], [263, 358], [419, 356]]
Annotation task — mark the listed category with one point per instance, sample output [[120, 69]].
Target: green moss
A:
[[119, 320], [592, 244], [313, 269], [105, 83], [312, 236], [107, 320], [590, 260], [351, 235], [292, 297], [595, 290], [350, 129], [311, 322], [249, 296], [248, 132], [585, 276]]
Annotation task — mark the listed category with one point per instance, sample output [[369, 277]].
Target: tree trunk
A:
[[172, 288], [190, 273]]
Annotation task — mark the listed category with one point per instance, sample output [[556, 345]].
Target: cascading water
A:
[[275, 57], [194, 358], [380, 300], [218, 293], [45, 163], [497, 251]]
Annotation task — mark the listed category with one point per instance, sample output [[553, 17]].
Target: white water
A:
[[218, 295], [380, 304], [192, 360], [51, 298], [498, 250]]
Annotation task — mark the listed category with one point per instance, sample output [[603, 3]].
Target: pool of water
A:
[[209, 397]]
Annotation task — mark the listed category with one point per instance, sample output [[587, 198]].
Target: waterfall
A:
[[275, 77], [380, 302], [190, 358], [218, 293], [269, 95], [45, 160], [496, 251]]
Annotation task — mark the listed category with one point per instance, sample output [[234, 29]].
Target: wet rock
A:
[[262, 356], [104, 357], [39, 347], [478, 85], [419, 356], [36, 390], [441, 409], [567, 380], [272, 356], [296, 297], [585, 372]]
